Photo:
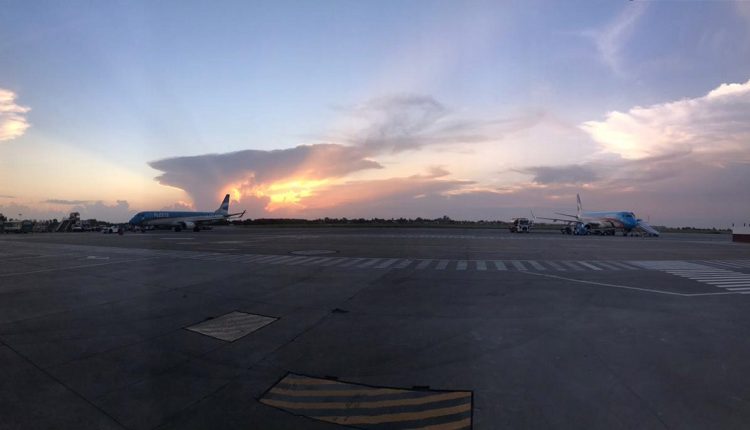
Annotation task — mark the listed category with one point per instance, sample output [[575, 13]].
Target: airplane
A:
[[604, 222], [182, 220]]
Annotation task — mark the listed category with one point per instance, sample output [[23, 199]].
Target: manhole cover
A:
[[232, 326], [313, 252], [364, 406]]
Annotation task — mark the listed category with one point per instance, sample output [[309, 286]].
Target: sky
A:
[[470, 109]]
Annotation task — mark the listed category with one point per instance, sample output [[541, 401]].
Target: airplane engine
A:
[[188, 225]]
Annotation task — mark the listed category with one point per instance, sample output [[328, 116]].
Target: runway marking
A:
[[500, 265], [334, 261], [590, 266], [388, 262], [481, 265], [423, 264], [518, 265], [607, 266], [442, 264], [369, 263], [604, 284], [365, 406], [709, 275], [536, 265], [571, 265], [556, 266], [403, 264], [461, 265], [83, 266]]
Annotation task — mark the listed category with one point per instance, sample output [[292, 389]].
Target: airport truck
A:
[[520, 225]]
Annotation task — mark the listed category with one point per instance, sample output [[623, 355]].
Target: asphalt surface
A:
[[322, 328]]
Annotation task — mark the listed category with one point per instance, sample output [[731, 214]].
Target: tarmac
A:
[[329, 328]]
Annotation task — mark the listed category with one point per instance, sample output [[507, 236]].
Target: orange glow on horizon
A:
[[288, 193]]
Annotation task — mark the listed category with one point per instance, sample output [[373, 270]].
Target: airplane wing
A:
[[569, 221], [643, 225]]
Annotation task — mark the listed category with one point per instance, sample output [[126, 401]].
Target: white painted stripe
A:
[[729, 284], [315, 260], [572, 265], [442, 264], [294, 260], [461, 265], [302, 260], [607, 265], [729, 278], [518, 265], [499, 265], [739, 289], [262, 259], [623, 265], [722, 263], [386, 263], [283, 260], [481, 265], [423, 264], [556, 266], [403, 264], [335, 261], [323, 260], [277, 259], [370, 262], [351, 262], [536, 265], [590, 266]]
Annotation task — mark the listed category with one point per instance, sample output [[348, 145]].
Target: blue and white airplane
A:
[[182, 220], [604, 222]]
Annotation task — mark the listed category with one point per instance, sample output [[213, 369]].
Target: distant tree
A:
[[2, 218]]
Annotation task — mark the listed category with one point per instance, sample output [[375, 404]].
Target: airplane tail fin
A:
[[580, 206], [224, 208]]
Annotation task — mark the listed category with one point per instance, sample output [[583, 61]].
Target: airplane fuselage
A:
[[624, 220], [169, 218]]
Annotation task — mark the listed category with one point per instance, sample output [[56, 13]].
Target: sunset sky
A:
[[475, 110]]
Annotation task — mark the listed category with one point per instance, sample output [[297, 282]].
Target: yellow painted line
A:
[[388, 418], [309, 381], [366, 405], [456, 425], [336, 393]]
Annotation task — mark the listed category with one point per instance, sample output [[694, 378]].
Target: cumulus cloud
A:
[[714, 125], [13, 121]]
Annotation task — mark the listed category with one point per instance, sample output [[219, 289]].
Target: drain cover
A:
[[232, 326], [364, 406], [313, 252]]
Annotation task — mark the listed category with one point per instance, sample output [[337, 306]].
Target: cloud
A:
[[611, 40], [408, 122], [715, 125], [118, 212], [13, 122], [66, 202], [570, 174], [179, 206], [206, 177]]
